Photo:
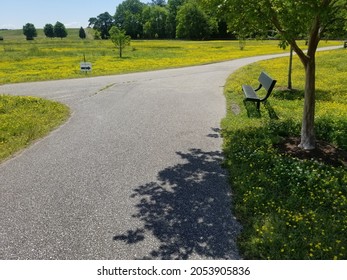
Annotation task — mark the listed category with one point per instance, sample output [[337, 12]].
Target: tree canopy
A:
[[60, 30], [128, 16], [102, 23], [119, 39], [154, 18], [158, 19], [193, 23], [82, 33], [49, 30], [29, 31]]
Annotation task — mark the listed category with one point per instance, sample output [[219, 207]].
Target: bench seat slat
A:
[[249, 92]]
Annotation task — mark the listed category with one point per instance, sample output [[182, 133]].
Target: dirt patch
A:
[[235, 109], [324, 152]]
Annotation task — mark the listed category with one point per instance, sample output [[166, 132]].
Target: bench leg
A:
[[258, 106]]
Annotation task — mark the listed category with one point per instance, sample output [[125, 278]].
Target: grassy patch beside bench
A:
[[290, 208], [24, 119]]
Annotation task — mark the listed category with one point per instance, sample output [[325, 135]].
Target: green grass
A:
[[47, 59], [289, 208], [25, 119]]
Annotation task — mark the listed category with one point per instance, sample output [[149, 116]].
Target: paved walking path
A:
[[134, 174]]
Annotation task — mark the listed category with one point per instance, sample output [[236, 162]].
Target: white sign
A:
[[86, 66]]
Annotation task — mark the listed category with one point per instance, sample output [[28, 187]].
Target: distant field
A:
[[47, 59]]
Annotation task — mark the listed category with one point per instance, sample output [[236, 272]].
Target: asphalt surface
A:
[[134, 174]]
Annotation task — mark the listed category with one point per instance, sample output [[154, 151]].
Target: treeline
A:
[[58, 30], [51, 31], [183, 19]]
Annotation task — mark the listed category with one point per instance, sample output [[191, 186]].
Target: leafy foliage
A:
[[29, 31], [49, 30], [119, 39], [102, 24], [82, 34], [154, 18], [128, 17], [172, 6], [193, 23], [60, 30]]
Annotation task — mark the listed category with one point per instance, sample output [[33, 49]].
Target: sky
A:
[[72, 13]]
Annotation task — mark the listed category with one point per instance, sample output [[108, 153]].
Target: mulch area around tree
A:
[[324, 152]]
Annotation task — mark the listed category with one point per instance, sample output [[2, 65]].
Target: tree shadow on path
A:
[[188, 210]]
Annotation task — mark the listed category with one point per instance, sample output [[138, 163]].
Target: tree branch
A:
[[292, 41]]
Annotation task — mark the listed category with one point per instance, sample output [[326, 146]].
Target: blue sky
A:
[[73, 13]]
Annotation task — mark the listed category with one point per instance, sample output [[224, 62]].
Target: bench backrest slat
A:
[[267, 82]]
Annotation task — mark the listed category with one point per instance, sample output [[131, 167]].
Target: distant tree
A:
[[102, 23], [82, 33], [97, 35], [60, 30], [92, 22], [193, 23], [49, 30], [119, 39], [128, 17], [29, 31], [154, 18], [173, 6]]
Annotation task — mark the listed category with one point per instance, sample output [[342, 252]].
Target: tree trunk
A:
[[290, 68], [308, 141]]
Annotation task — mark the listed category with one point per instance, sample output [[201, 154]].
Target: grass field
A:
[[24, 119], [289, 208], [47, 59]]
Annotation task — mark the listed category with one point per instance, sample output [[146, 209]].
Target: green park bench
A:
[[266, 82]]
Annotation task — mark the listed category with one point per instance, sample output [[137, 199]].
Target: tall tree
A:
[[60, 30], [49, 30], [292, 19], [102, 23], [128, 17], [173, 6], [82, 33], [154, 18], [119, 39], [29, 31], [193, 23]]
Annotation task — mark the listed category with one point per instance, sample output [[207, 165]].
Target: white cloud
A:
[[8, 26], [73, 25]]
